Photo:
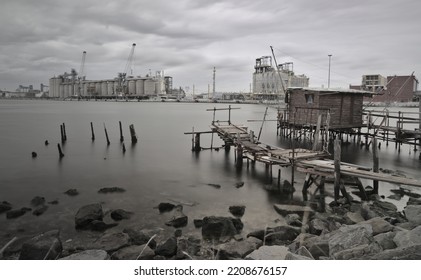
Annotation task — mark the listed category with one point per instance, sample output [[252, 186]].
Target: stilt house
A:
[[343, 107]]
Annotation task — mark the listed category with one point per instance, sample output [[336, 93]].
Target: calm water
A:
[[159, 168]]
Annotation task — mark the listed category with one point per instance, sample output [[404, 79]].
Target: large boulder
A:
[[88, 255], [385, 240], [348, 237], [282, 235], [15, 213], [237, 210], [379, 225], [238, 250], [88, 213], [46, 246], [5, 206], [188, 247], [220, 228], [120, 214], [408, 237], [140, 236], [401, 253], [413, 214]]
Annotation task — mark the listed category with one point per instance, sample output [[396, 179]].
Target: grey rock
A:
[[88, 213], [44, 246], [12, 214], [408, 237], [100, 225], [134, 252], [237, 210], [292, 256], [112, 242], [165, 207], [354, 217], [72, 192], [120, 214], [111, 190], [348, 237], [237, 250], [268, 253], [167, 248], [5, 206], [385, 240], [197, 223], [358, 252], [220, 228], [37, 201], [88, 255], [285, 209], [413, 201], [140, 236], [179, 219], [293, 220], [413, 214], [282, 235], [401, 253], [378, 225], [318, 226], [188, 247], [40, 210]]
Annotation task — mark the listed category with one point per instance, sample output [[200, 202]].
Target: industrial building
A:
[[65, 86], [271, 83], [391, 89]]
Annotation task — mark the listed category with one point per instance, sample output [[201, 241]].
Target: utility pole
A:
[[328, 77], [213, 91]]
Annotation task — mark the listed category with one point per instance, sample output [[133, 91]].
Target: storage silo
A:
[[110, 87], [140, 83], [149, 87], [104, 88], [66, 91], [98, 88], [61, 91], [132, 87]]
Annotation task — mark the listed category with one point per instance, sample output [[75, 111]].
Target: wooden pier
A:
[[315, 163]]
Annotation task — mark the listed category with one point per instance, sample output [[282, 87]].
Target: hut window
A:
[[309, 98]]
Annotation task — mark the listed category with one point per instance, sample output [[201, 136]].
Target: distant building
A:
[[390, 89], [67, 85], [269, 83]]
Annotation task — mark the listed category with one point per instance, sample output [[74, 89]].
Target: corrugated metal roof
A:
[[331, 90]]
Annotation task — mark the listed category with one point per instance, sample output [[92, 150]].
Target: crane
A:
[[122, 81]]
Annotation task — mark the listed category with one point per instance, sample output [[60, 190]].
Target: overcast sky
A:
[[187, 38]]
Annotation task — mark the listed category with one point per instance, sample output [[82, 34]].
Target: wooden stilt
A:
[[306, 186], [337, 164], [375, 166], [360, 186], [60, 152], [64, 133], [124, 148], [322, 194], [106, 135], [133, 134], [197, 147], [121, 132], [239, 155], [92, 132]]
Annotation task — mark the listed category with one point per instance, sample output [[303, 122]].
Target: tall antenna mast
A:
[[213, 91]]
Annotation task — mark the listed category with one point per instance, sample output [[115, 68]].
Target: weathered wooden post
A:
[[375, 165], [106, 135], [133, 134], [124, 148], [317, 132], [306, 186], [121, 132], [322, 194], [64, 132], [197, 147], [60, 152], [92, 132], [239, 155], [337, 165]]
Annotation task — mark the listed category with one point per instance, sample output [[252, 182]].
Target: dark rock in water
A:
[[395, 197], [413, 201], [178, 233], [46, 143], [100, 225], [88, 213], [111, 190], [140, 236], [46, 246], [120, 214], [197, 223], [216, 186], [188, 247], [165, 207], [403, 192], [53, 202], [34, 154], [72, 192], [239, 185], [37, 201], [237, 210], [167, 248], [220, 228], [12, 214], [40, 210], [179, 219], [5, 206]]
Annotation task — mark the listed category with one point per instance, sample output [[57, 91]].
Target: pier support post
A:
[[133, 134], [322, 194], [337, 164], [60, 152], [197, 147], [121, 132], [64, 133], [306, 186], [239, 155], [227, 147], [92, 132], [375, 165], [106, 135]]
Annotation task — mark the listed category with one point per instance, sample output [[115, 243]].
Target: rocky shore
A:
[[372, 229]]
